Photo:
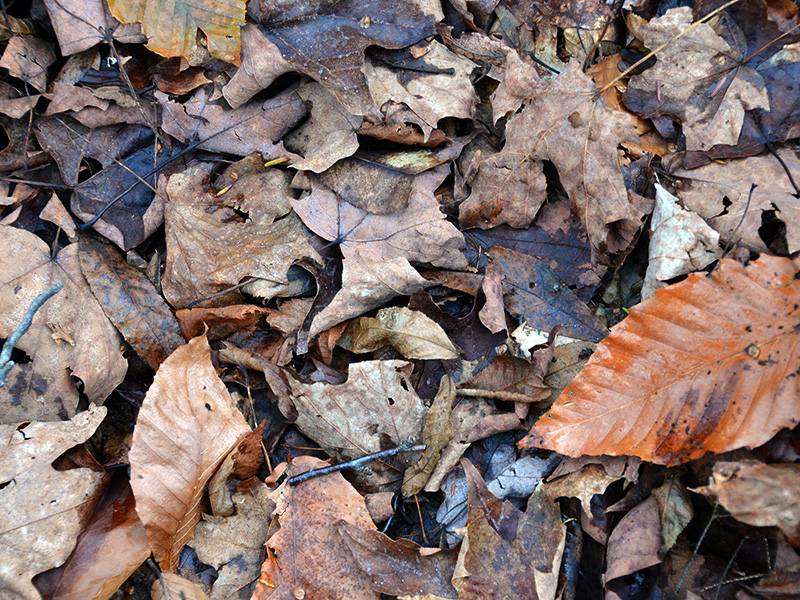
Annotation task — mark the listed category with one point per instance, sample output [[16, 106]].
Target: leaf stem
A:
[[352, 464]]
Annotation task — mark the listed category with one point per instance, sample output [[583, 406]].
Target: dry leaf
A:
[[675, 508], [70, 335], [187, 425], [27, 58], [46, 508], [635, 543], [707, 365], [176, 587], [410, 332]]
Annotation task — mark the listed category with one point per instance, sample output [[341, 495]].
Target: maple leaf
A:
[[706, 365], [171, 25]]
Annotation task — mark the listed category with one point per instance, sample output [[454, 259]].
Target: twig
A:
[[6, 364], [496, 395], [352, 464]]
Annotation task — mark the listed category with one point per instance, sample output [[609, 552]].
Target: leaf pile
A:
[[400, 299]]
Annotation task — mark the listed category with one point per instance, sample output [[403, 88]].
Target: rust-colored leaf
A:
[[187, 425], [130, 301], [707, 365]]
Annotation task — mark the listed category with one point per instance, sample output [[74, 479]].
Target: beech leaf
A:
[[409, 332], [707, 365], [186, 427]]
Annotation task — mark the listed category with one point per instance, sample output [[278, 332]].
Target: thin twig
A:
[[6, 364], [353, 464], [496, 395]]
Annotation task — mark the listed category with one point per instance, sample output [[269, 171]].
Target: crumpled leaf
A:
[[410, 332], [70, 335], [375, 409], [698, 79], [234, 546], [109, 550], [681, 242], [209, 249], [326, 40], [759, 494], [507, 552], [712, 371], [720, 193], [438, 88], [131, 302], [378, 248], [47, 508], [187, 425], [171, 25]]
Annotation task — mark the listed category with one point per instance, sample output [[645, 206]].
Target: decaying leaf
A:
[[759, 494], [635, 543], [409, 332], [187, 425], [375, 409], [675, 509], [176, 587], [50, 507], [171, 25], [70, 335], [707, 365]]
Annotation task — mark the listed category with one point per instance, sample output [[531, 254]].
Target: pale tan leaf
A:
[[44, 509], [410, 332], [707, 365], [176, 587], [187, 425]]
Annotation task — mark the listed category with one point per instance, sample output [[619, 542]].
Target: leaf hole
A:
[[208, 406], [391, 400]]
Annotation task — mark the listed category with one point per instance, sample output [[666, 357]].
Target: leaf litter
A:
[[390, 227]]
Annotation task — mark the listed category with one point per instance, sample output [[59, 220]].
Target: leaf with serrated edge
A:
[[707, 365]]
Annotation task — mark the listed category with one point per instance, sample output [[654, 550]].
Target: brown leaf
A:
[[69, 335], [130, 301], [507, 552], [171, 26], [400, 567], [312, 559], [410, 332], [254, 127], [326, 41], [436, 434], [721, 194], [109, 550], [759, 494], [583, 484], [712, 371], [187, 425], [27, 58], [176, 587], [635, 543], [675, 509], [688, 69], [209, 249], [329, 134], [220, 322], [46, 509], [440, 88], [375, 409], [234, 546], [81, 24]]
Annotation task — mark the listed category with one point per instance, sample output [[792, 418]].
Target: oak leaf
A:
[[707, 365], [186, 427]]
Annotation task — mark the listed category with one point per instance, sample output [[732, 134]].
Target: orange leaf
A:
[[187, 426], [707, 365]]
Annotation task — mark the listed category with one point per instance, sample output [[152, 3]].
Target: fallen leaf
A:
[[507, 552], [82, 24], [312, 559], [187, 425], [50, 507], [375, 409], [176, 587], [234, 545], [635, 543], [535, 293], [675, 509], [681, 242], [410, 332], [70, 335], [109, 550], [721, 194], [27, 58], [759, 494], [436, 434], [698, 79], [171, 25], [130, 301], [209, 249], [326, 41], [713, 371]]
